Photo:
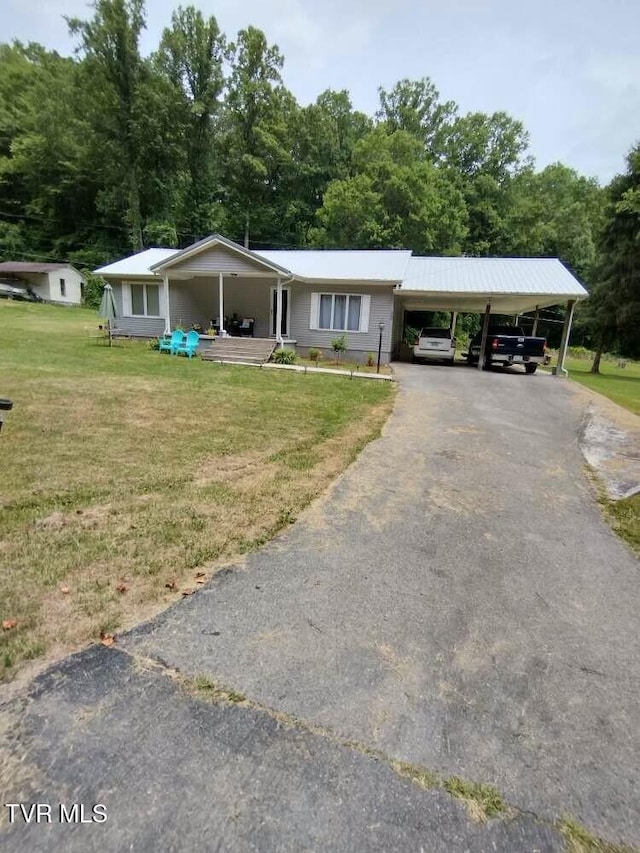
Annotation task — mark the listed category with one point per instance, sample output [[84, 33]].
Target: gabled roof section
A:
[[211, 242], [384, 265], [527, 276], [137, 265]]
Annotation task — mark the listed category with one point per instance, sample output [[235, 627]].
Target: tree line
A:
[[108, 151]]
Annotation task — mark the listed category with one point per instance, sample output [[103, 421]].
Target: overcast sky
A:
[[568, 69]]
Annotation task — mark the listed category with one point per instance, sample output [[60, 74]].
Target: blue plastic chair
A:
[[171, 344], [190, 344]]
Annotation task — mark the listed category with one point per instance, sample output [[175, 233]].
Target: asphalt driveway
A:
[[455, 600]]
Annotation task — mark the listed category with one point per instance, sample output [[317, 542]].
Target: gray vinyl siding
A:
[[150, 326], [381, 310], [218, 259]]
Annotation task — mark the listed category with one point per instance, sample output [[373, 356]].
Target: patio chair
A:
[[190, 344], [171, 344]]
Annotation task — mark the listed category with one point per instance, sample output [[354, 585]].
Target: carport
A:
[[489, 286]]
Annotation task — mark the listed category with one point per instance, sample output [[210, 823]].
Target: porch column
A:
[[220, 304], [559, 369], [536, 317], [485, 333], [279, 312], [454, 320], [167, 315]]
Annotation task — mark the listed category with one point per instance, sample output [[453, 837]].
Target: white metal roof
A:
[[342, 265], [138, 264], [535, 276]]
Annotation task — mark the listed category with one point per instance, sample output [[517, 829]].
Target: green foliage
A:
[[110, 150], [315, 354], [284, 356], [92, 290], [410, 335], [613, 312], [371, 359], [339, 346]]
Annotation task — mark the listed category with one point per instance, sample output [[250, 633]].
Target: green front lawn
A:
[[620, 384], [128, 475]]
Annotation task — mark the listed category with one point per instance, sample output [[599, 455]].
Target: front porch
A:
[[249, 306]]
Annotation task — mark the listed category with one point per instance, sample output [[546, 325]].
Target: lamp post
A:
[[381, 327]]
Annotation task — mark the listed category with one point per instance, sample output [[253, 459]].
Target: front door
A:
[[284, 327]]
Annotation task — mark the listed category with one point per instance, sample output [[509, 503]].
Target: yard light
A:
[[381, 327]]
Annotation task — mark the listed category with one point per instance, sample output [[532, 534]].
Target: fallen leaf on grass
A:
[[107, 639], [65, 590], [188, 591], [200, 574], [171, 584], [8, 624], [121, 588]]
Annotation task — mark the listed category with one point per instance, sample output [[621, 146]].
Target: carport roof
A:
[[467, 284]]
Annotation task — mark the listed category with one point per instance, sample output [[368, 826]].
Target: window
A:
[[63, 287], [145, 300], [340, 312]]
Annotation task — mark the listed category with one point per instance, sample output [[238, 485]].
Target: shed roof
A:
[[28, 266]]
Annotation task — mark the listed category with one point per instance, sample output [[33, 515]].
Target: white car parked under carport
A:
[[433, 344]]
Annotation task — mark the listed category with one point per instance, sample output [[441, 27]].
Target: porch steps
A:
[[239, 350]]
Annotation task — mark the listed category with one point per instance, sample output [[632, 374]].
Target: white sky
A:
[[568, 69]]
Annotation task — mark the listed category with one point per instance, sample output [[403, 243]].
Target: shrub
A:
[[339, 346], [154, 344], [315, 354], [410, 335], [284, 356], [371, 359]]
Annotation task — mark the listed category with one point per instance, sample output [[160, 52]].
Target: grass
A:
[[624, 517], [483, 801], [620, 384], [129, 475], [579, 840]]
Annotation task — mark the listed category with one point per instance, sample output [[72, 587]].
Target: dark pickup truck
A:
[[508, 345]]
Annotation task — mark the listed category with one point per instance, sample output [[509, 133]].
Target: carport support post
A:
[[485, 332], [559, 369], [454, 320], [167, 315], [536, 317], [221, 304]]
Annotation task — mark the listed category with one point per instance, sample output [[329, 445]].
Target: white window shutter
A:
[[126, 299], [314, 320], [365, 308]]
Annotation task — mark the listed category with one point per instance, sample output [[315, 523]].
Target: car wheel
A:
[[531, 368]]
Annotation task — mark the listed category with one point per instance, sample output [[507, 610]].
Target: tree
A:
[[255, 130], [415, 107], [397, 200], [191, 56], [114, 69], [614, 306], [554, 213], [483, 155]]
